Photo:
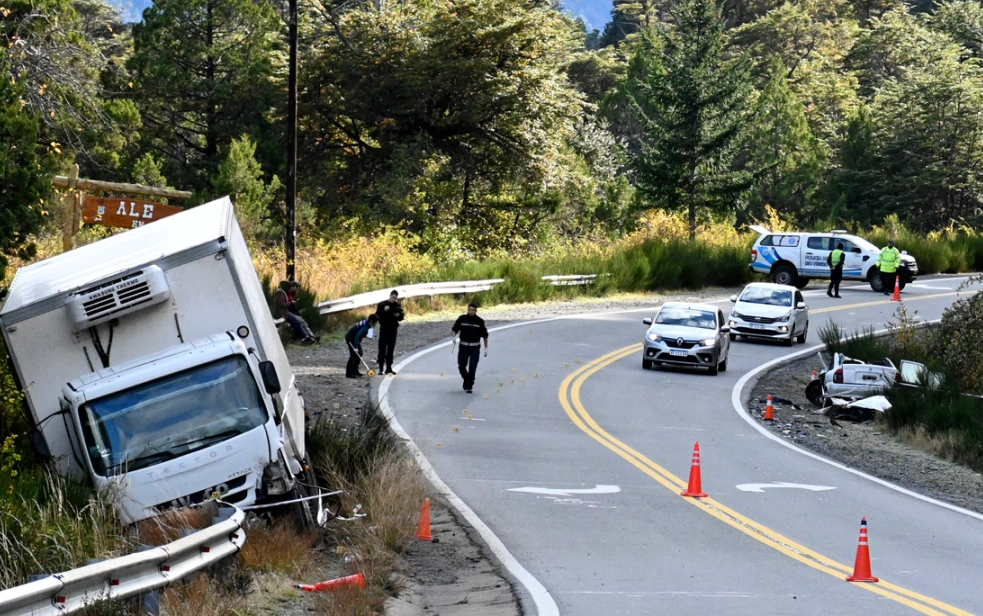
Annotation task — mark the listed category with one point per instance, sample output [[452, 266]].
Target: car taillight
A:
[[754, 255], [838, 375]]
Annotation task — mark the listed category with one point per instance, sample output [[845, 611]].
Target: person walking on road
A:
[[836, 260], [888, 263], [472, 330], [354, 341], [390, 313]]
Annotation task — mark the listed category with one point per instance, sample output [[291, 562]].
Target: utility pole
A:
[[291, 234]]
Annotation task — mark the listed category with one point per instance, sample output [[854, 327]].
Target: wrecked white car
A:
[[853, 379]]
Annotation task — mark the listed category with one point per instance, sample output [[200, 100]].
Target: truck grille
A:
[[229, 492]]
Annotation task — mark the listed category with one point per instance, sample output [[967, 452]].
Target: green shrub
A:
[[959, 343]]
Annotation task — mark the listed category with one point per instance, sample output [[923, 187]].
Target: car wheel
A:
[[783, 274], [733, 337], [713, 370], [874, 278], [647, 364], [805, 332], [790, 340], [723, 366], [814, 392]]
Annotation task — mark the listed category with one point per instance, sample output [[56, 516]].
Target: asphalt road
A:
[[570, 459]]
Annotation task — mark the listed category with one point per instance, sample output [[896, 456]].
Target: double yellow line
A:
[[570, 400]]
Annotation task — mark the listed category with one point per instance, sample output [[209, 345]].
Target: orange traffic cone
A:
[[769, 411], [897, 289], [695, 481], [861, 568], [423, 528], [349, 581]]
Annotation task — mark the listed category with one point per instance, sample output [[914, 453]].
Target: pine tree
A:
[[25, 171], [694, 106]]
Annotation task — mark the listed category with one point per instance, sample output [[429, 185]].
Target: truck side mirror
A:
[[39, 445], [270, 379]]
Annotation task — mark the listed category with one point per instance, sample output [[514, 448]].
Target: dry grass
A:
[[945, 446], [278, 548], [170, 526], [203, 595]]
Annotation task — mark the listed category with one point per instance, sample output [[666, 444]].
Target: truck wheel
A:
[[801, 282], [784, 274], [874, 278], [901, 284]]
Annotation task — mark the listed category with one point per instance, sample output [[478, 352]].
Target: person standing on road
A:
[[888, 263], [354, 341], [836, 260], [390, 313], [472, 329]]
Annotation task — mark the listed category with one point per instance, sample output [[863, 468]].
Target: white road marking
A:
[[567, 492], [759, 487]]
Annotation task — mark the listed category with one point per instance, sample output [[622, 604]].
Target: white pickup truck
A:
[[795, 258]]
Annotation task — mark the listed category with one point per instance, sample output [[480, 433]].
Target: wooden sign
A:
[[124, 213]]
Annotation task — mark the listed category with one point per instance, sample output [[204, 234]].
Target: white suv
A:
[[794, 258]]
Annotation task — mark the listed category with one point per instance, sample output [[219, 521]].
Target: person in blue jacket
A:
[[354, 340]]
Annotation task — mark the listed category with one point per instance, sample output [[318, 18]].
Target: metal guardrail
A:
[[413, 290], [127, 576], [437, 288], [576, 279]]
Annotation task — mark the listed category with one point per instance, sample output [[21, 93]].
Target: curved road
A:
[[570, 459]]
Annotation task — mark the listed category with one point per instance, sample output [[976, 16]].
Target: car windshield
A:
[[687, 317], [769, 297], [172, 416], [863, 244]]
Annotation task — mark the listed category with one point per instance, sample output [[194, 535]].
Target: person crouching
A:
[[354, 338]]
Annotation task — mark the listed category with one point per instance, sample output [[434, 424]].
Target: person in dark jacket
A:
[[354, 340], [390, 313], [472, 330], [285, 307], [836, 260]]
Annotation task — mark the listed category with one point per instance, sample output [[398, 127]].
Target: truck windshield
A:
[[172, 416]]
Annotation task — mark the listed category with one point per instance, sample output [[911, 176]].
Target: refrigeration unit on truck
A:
[[153, 369]]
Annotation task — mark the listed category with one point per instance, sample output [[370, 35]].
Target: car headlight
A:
[[654, 337], [785, 318], [708, 342], [736, 315]]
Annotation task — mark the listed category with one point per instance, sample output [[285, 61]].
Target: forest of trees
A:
[[500, 125]]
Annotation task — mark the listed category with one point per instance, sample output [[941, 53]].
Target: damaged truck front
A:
[[153, 369]]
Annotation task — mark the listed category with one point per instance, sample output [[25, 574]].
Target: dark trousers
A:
[[387, 343], [835, 276], [887, 279], [467, 363], [354, 359]]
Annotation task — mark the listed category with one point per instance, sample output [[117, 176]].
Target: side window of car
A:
[[790, 240], [798, 298], [849, 247], [819, 243], [720, 319], [768, 240]]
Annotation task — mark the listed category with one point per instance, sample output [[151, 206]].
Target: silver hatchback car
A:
[[682, 334]]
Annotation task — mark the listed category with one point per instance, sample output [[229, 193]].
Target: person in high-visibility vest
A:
[[888, 263], [836, 260]]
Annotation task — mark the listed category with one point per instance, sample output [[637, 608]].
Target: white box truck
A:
[[153, 368]]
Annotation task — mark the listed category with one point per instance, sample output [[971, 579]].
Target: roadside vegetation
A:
[[946, 420]]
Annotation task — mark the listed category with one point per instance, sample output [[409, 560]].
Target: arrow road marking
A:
[[759, 487], [558, 492]]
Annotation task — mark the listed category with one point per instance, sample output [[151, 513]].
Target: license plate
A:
[[757, 326], [676, 353]]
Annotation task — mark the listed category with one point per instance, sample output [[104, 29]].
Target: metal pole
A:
[[291, 234]]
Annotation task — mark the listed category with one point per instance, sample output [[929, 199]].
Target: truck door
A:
[[853, 263], [815, 255]]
